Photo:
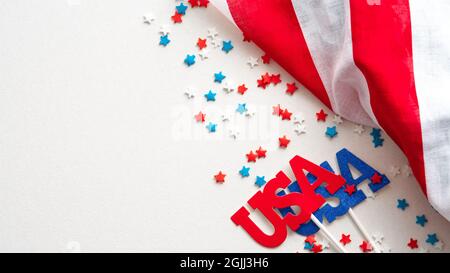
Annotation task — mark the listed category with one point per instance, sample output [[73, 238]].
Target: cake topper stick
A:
[[330, 237], [363, 230]]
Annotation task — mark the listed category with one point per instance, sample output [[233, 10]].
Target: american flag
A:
[[382, 63]]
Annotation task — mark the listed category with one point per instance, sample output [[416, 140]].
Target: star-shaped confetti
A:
[[164, 30], [252, 62], [345, 239], [176, 18], [201, 43], [358, 129], [242, 89], [412, 243], [260, 181], [164, 40], [378, 237], [210, 96], [212, 33], [220, 177], [317, 248], [421, 220], [242, 108], [286, 115], [321, 115], [402, 204], [204, 54], [283, 142], [251, 157], [200, 117], [337, 119], [211, 127], [181, 8], [331, 132], [189, 93], [311, 239], [432, 239], [189, 60], [365, 247], [227, 46], [395, 170], [275, 78], [148, 18], [228, 87], [194, 3], [298, 118], [299, 128], [219, 77], [291, 88], [261, 153], [244, 172], [203, 3]]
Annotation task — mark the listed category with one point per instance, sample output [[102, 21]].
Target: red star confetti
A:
[[275, 79], [286, 115], [284, 142], [261, 153], [350, 189], [317, 248], [220, 177], [321, 116], [194, 3], [345, 239], [176, 18], [311, 239], [365, 247], [265, 58], [201, 43], [277, 110], [376, 178], [412, 243], [291, 88], [203, 3], [242, 89], [200, 117], [251, 157], [261, 83]]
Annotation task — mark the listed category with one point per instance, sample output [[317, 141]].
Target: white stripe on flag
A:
[[431, 56], [326, 26]]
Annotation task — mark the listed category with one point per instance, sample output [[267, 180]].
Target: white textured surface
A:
[[100, 152]]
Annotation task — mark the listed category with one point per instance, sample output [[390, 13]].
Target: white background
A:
[[99, 150]]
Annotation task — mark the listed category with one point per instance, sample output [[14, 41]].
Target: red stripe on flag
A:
[[382, 49], [273, 26]]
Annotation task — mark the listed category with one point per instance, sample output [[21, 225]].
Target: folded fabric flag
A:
[[382, 63]]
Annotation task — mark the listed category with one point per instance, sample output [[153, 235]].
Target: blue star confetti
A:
[[244, 172], [421, 220], [242, 108], [164, 40], [331, 132], [377, 140], [181, 8], [432, 239], [227, 46], [308, 246], [219, 77], [211, 127], [260, 181], [402, 204], [189, 60], [210, 96]]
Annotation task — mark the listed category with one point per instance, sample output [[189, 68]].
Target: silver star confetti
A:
[[148, 18], [337, 119], [358, 129], [252, 62]]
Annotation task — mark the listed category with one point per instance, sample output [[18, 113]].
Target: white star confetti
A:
[[216, 42], [212, 33], [251, 111], [234, 133], [407, 170], [225, 117], [204, 54], [439, 245], [378, 237], [395, 171], [252, 62], [190, 93], [148, 18], [229, 87], [358, 129], [300, 129], [337, 119]]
